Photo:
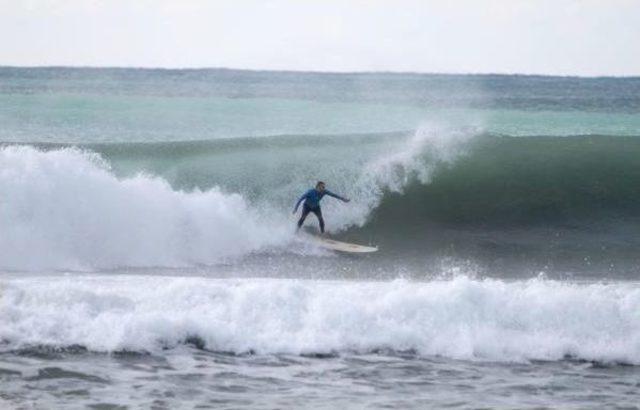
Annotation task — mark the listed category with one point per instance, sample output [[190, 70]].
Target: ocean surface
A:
[[148, 256]]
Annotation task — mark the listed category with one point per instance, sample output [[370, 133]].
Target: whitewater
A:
[[459, 318], [148, 255]]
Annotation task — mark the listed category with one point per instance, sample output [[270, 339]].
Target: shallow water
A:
[[188, 377]]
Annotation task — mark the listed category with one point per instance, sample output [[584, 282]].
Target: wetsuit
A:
[[311, 200]]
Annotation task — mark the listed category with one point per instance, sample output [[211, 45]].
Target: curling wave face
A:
[[460, 318], [508, 181]]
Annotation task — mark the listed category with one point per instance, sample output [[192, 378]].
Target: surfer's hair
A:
[[319, 183]]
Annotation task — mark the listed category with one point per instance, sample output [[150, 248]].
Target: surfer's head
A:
[[320, 186]]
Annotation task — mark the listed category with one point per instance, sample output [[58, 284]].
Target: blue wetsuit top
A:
[[312, 198]]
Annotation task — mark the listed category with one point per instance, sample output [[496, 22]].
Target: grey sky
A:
[[567, 37]]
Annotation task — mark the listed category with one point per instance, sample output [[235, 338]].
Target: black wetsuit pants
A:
[[305, 212]]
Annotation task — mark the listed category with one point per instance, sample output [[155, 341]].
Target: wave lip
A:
[[461, 318]]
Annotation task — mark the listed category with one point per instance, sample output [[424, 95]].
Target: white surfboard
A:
[[342, 246]]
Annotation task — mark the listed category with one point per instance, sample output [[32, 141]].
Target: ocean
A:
[[148, 254]]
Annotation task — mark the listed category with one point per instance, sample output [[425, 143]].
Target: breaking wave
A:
[[69, 208], [65, 209], [460, 318], [183, 204]]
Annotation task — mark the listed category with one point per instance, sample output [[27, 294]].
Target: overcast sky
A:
[[566, 37]]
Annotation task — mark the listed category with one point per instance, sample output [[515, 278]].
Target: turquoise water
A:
[[82, 118]]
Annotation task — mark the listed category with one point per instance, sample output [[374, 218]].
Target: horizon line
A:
[[317, 72]]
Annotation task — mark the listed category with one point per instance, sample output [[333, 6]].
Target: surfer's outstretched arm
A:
[[343, 199], [302, 198]]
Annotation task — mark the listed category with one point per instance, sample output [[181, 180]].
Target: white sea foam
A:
[[65, 209], [460, 318]]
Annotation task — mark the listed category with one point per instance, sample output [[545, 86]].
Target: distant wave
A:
[[180, 150], [460, 318], [477, 90]]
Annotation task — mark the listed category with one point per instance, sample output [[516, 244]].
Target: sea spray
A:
[[414, 160]]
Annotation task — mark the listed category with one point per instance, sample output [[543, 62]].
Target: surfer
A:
[[311, 200]]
